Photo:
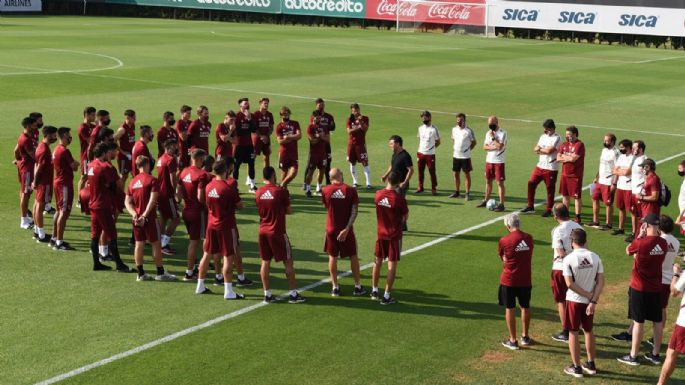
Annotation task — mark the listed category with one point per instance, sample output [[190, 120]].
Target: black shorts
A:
[[461, 165], [507, 296], [244, 154], [644, 306]]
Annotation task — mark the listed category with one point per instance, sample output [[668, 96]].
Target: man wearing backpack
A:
[[649, 199]]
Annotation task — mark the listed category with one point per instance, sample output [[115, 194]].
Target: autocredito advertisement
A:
[[331, 8]]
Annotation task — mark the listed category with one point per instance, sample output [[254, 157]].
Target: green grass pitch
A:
[[57, 315]]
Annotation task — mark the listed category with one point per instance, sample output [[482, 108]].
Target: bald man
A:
[[495, 145], [341, 202]]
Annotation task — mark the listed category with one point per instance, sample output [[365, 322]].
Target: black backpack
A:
[[664, 195]]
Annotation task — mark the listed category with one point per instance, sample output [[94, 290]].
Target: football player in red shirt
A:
[[140, 148], [182, 131], [166, 132], [222, 200], [391, 212], [141, 203], [341, 202], [264, 125], [318, 138], [167, 177], [103, 121], [84, 132], [572, 157], [243, 151], [199, 130], [126, 135], [651, 190], [42, 183], [328, 123], [64, 165], [25, 157], [273, 204], [192, 182], [357, 126], [225, 136], [287, 134]]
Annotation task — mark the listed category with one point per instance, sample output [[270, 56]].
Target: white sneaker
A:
[[166, 277], [144, 277]]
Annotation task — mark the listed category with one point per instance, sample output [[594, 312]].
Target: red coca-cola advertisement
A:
[[443, 12]]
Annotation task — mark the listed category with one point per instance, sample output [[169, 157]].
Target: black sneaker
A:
[[107, 258], [369, 187], [589, 368], [629, 360], [308, 194], [205, 291], [618, 232], [455, 194], [125, 269], [237, 297], [622, 336], [51, 244], [218, 281], [297, 298], [63, 247], [304, 187], [374, 295], [359, 291], [526, 341], [561, 337], [166, 250], [511, 345], [335, 292], [630, 238], [388, 301], [46, 238], [189, 277], [243, 282], [547, 214], [481, 204], [50, 212], [270, 299], [653, 358], [34, 236], [605, 227], [651, 342], [100, 267], [527, 209], [594, 225], [575, 371], [499, 208], [253, 189]]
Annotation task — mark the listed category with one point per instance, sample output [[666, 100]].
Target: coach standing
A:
[[516, 251], [463, 142], [572, 155], [547, 168], [400, 163], [605, 183], [495, 145], [429, 140]]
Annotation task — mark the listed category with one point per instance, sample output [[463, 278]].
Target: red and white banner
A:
[[443, 12]]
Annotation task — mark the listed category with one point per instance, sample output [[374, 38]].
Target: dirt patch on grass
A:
[[615, 296], [490, 358]]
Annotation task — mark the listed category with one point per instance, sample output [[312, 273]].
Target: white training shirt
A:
[[607, 162], [496, 156], [561, 239], [462, 137], [637, 178], [681, 198], [624, 161], [583, 265], [427, 135], [680, 286], [667, 267], [549, 161]]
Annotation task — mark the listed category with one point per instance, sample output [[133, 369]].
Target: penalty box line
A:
[[259, 305]]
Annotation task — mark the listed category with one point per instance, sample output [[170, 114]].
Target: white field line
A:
[[44, 71], [259, 305]]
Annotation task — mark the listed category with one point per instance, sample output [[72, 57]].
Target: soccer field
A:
[[58, 316]]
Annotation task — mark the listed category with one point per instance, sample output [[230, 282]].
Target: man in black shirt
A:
[[400, 163]]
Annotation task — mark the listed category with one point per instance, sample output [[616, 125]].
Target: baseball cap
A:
[[549, 123], [318, 100], [651, 219], [648, 162]]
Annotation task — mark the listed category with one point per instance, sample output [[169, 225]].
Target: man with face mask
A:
[[64, 165], [572, 156], [42, 183], [166, 132], [637, 181], [547, 168], [623, 189], [140, 148], [429, 140], [605, 183], [495, 146]]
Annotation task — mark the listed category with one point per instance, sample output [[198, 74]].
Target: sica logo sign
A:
[[325, 7]]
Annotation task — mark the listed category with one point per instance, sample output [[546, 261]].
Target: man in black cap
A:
[[429, 140], [648, 198], [547, 168]]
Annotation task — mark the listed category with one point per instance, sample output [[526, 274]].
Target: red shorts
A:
[[559, 287], [102, 221], [223, 242], [648, 207], [389, 249], [196, 224], [168, 208], [317, 161], [494, 171], [125, 165], [261, 147], [286, 164], [570, 186], [65, 197], [603, 193], [274, 246], [623, 199], [44, 193], [148, 232], [335, 248], [575, 317], [677, 341], [357, 153], [635, 206], [665, 295], [25, 180], [84, 200]]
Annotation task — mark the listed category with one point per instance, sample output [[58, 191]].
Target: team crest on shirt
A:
[[138, 184], [657, 250], [522, 246], [213, 194], [338, 194], [384, 202], [187, 179], [266, 195]]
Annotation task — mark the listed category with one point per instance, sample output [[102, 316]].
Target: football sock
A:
[[228, 290], [318, 187], [219, 276], [353, 172], [189, 272], [357, 286], [241, 277], [165, 240], [200, 286], [293, 293], [141, 271], [367, 174], [267, 293], [374, 289], [94, 250], [103, 250], [58, 242], [40, 231], [160, 270], [386, 295], [48, 207], [307, 188]]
